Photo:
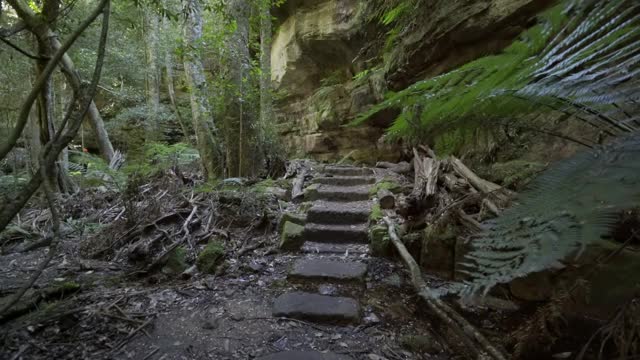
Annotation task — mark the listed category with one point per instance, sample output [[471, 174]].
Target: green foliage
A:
[[579, 59], [376, 213], [386, 185], [393, 14], [565, 209], [334, 78], [210, 257], [90, 170], [177, 261], [158, 157]]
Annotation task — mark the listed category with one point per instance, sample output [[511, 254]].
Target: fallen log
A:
[[386, 199], [470, 335], [482, 185], [400, 168]]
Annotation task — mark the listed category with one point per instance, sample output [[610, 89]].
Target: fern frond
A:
[[568, 207], [583, 57]]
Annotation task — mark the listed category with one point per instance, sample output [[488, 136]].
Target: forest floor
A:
[[207, 317], [102, 297], [95, 300]]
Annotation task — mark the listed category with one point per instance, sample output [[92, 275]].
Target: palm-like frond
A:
[[583, 57], [571, 205]]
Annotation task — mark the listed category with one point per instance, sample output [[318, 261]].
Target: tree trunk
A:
[[203, 123], [168, 63], [266, 100], [71, 74], [58, 178], [237, 123], [153, 75], [76, 114]]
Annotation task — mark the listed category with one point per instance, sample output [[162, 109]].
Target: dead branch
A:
[[400, 168], [298, 183], [439, 307], [484, 186]]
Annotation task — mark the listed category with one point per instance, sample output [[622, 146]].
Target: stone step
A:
[[347, 171], [345, 180], [335, 233], [331, 212], [318, 308], [323, 269], [305, 355], [311, 247], [342, 193]]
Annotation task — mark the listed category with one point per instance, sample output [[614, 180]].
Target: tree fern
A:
[[583, 57], [568, 207]]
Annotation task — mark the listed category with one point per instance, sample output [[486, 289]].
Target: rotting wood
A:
[[449, 316], [298, 183], [400, 168], [486, 187], [386, 199]]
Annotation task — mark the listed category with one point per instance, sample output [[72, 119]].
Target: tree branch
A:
[[62, 139], [23, 52], [454, 320], [44, 76]]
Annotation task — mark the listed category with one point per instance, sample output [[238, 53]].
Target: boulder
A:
[[209, 258], [291, 237], [295, 218]]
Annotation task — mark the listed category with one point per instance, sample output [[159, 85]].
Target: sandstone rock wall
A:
[[321, 45]]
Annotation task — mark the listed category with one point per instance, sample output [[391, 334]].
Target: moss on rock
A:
[[295, 218], [379, 241], [386, 185], [209, 258], [291, 237], [177, 261], [376, 213]]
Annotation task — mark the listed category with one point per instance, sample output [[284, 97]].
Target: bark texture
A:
[[203, 123]]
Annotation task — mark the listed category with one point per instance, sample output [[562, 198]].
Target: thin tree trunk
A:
[[62, 139], [153, 74], [59, 180], [266, 101], [39, 28], [237, 122], [208, 146], [168, 63]]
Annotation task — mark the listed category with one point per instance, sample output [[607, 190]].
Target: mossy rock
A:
[[299, 219], [177, 261], [380, 242], [291, 237], [376, 213], [311, 192], [209, 258], [386, 185]]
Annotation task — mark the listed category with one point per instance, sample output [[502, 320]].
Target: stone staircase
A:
[[335, 237]]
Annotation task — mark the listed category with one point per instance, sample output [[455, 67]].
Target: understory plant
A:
[[582, 58]]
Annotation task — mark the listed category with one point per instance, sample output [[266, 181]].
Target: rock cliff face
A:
[[323, 48]]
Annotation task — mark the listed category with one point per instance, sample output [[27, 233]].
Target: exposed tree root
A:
[[449, 316]]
